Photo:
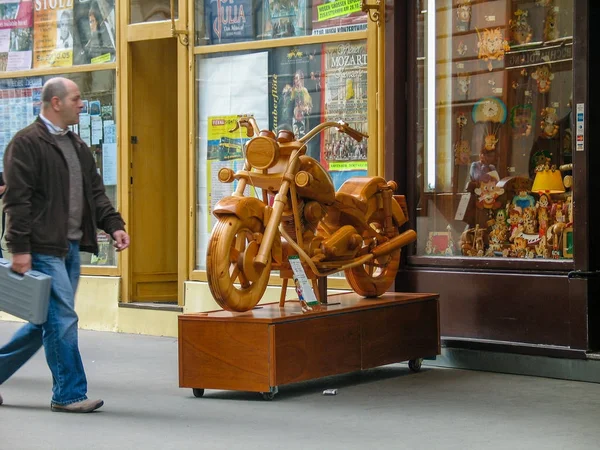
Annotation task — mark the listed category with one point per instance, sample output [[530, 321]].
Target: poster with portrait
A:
[[295, 91], [53, 34], [94, 29], [345, 98], [16, 43]]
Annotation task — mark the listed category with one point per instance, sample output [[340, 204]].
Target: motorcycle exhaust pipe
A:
[[395, 243]]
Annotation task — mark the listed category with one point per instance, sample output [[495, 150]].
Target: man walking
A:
[[54, 201]]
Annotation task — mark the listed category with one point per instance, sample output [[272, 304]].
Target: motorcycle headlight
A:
[[262, 152]]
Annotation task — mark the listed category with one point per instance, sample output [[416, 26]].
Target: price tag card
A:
[[303, 286]]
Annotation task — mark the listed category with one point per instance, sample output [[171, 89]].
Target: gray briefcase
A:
[[24, 296]]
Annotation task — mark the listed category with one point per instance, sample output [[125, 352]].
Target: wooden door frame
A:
[[149, 31]]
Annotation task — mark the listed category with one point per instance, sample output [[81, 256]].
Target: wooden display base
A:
[[270, 346]]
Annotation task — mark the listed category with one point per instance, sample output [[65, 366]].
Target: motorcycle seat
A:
[[351, 201]]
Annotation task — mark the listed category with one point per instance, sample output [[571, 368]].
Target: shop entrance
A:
[[153, 171]]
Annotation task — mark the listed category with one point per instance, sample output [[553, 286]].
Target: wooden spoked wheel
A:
[[375, 277], [235, 282]]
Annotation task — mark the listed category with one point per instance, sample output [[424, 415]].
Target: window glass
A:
[[291, 88], [20, 104], [151, 10], [494, 130], [227, 21], [44, 33]]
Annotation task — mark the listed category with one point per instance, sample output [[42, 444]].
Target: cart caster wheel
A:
[[415, 364], [198, 392], [268, 395]]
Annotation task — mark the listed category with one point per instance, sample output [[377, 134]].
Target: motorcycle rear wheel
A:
[[233, 288], [375, 277]]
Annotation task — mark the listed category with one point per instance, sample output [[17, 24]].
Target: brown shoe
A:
[[84, 406]]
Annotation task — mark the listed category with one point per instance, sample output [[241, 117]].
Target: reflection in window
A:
[[227, 21], [151, 10], [494, 128], [289, 88], [20, 104]]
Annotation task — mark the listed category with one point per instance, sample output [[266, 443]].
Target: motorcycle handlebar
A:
[[249, 123], [341, 126]]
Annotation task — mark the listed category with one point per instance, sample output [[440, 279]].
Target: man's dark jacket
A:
[[36, 200]]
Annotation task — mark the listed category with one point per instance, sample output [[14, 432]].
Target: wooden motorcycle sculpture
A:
[[355, 230]]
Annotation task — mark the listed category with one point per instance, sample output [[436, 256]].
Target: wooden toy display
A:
[[354, 230]]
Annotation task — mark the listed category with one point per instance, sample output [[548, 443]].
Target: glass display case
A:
[[495, 138], [500, 165]]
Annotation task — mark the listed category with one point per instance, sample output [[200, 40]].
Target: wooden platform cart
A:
[[271, 345]]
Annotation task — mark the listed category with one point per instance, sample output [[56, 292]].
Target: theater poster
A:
[[53, 33]]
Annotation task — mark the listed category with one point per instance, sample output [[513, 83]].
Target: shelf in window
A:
[[492, 263]]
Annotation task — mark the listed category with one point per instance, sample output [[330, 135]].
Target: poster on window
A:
[[295, 91], [94, 29], [229, 20], [227, 86], [20, 103], [53, 34], [345, 98], [16, 43], [284, 18], [225, 149], [337, 16], [73, 32]]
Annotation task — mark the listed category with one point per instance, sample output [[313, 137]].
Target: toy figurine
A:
[[543, 213], [530, 221], [462, 148], [549, 124], [463, 15], [492, 46], [515, 219], [551, 25], [521, 119], [521, 30], [523, 200], [464, 83], [543, 77], [488, 192]]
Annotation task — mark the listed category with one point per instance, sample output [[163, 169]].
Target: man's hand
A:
[[121, 240], [21, 263]]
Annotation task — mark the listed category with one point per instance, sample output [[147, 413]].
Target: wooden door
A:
[[153, 188]]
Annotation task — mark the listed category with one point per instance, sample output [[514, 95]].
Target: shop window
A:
[[20, 104], [293, 88], [151, 10], [228, 21], [494, 136], [45, 34]]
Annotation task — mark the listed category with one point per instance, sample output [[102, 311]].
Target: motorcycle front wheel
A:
[[375, 277], [235, 283]]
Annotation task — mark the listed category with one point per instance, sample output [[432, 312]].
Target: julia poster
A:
[[53, 33], [16, 43]]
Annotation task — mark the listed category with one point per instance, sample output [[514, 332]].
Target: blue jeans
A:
[[58, 334]]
